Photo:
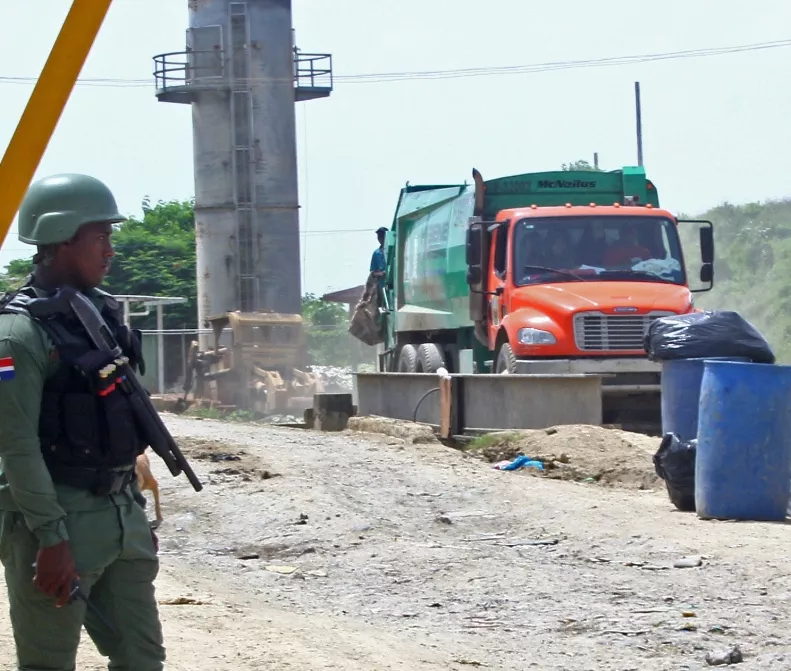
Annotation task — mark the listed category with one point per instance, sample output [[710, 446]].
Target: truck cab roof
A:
[[615, 210]]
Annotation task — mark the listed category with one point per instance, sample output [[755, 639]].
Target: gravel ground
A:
[[362, 552]]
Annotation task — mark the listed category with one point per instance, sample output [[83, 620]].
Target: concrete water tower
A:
[[242, 74]]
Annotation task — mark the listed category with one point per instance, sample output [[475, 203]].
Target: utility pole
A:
[[639, 119], [596, 160]]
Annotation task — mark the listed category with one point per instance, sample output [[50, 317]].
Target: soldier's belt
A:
[[99, 481]]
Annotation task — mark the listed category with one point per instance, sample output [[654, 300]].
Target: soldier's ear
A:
[[45, 254]]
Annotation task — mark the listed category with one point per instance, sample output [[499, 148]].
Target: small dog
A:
[[147, 481]]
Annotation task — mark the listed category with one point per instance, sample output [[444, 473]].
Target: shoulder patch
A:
[[7, 371]]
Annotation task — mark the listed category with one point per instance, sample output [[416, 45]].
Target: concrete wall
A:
[[490, 401]]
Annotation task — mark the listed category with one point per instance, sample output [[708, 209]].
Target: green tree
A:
[[155, 256], [581, 165], [328, 339], [15, 275]]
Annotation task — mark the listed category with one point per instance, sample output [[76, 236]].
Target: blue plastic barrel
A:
[[744, 442], [680, 386]]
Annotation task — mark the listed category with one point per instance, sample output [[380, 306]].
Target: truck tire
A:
[[407, 359], [506, 360], [429, 358]]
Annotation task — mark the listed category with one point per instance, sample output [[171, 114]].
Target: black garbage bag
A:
[[718, 333], [674, 462]]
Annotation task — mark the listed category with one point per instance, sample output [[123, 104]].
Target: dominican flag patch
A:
[[6, 369]]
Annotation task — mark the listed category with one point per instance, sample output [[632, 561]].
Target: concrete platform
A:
[[485, 401]]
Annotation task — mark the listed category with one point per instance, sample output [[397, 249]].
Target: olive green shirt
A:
[[25, 482]]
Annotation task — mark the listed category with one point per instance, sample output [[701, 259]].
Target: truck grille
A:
[[598, 332]]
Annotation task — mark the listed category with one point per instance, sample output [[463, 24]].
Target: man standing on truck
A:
[[379, 265]]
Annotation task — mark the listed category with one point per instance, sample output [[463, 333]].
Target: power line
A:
[[456, 73], [567, 65]]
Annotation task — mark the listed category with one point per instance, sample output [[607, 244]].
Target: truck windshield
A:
[[596, 248]]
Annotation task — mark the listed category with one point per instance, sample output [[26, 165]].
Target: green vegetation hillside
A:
[[752, 268]]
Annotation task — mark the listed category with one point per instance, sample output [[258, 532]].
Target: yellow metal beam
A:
[[44, 109]]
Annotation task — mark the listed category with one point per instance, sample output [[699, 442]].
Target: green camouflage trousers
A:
[[117, 563]]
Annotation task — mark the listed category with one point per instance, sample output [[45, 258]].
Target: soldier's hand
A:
[[55, 572]]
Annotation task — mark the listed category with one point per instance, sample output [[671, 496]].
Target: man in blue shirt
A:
[[378, 265], [378, 269]]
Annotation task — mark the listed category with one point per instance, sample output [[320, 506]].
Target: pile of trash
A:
[[334, 379], [578, 453]]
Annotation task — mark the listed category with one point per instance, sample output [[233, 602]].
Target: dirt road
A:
[[313, 551]]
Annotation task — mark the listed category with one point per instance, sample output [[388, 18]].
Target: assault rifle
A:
[[155, 433]]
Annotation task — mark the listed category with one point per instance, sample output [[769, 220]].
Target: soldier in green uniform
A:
[[68, 508]]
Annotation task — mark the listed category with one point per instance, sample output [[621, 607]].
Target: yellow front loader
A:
[[260, 369]]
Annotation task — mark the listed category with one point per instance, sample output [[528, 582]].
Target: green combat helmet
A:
[[55, 207]]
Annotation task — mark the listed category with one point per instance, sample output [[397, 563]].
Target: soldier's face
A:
[[88, 254]]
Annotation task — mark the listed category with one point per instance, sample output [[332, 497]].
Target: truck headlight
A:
[[530, 336]]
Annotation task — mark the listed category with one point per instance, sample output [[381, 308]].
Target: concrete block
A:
[[489, 401], [531, 401], [395, 395], [331, 412]]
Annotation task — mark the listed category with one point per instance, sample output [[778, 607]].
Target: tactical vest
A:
[[87, 429]]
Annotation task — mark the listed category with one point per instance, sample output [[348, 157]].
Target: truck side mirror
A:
[[474, 242], [707, 244], [706, 241], [477, 241]]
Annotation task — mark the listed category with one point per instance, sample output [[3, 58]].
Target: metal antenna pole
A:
[[639, 119]]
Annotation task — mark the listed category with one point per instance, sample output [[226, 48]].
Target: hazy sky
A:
[[716, 128]]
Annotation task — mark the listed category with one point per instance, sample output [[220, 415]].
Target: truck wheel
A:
[[506, 361], [407, 360], [429, 358]]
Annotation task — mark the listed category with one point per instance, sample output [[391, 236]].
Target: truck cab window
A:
[[591, 248]]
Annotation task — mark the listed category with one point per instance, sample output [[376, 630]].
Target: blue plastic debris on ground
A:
[[520, 462]]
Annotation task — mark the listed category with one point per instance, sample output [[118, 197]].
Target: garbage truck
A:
[[543, 273]]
